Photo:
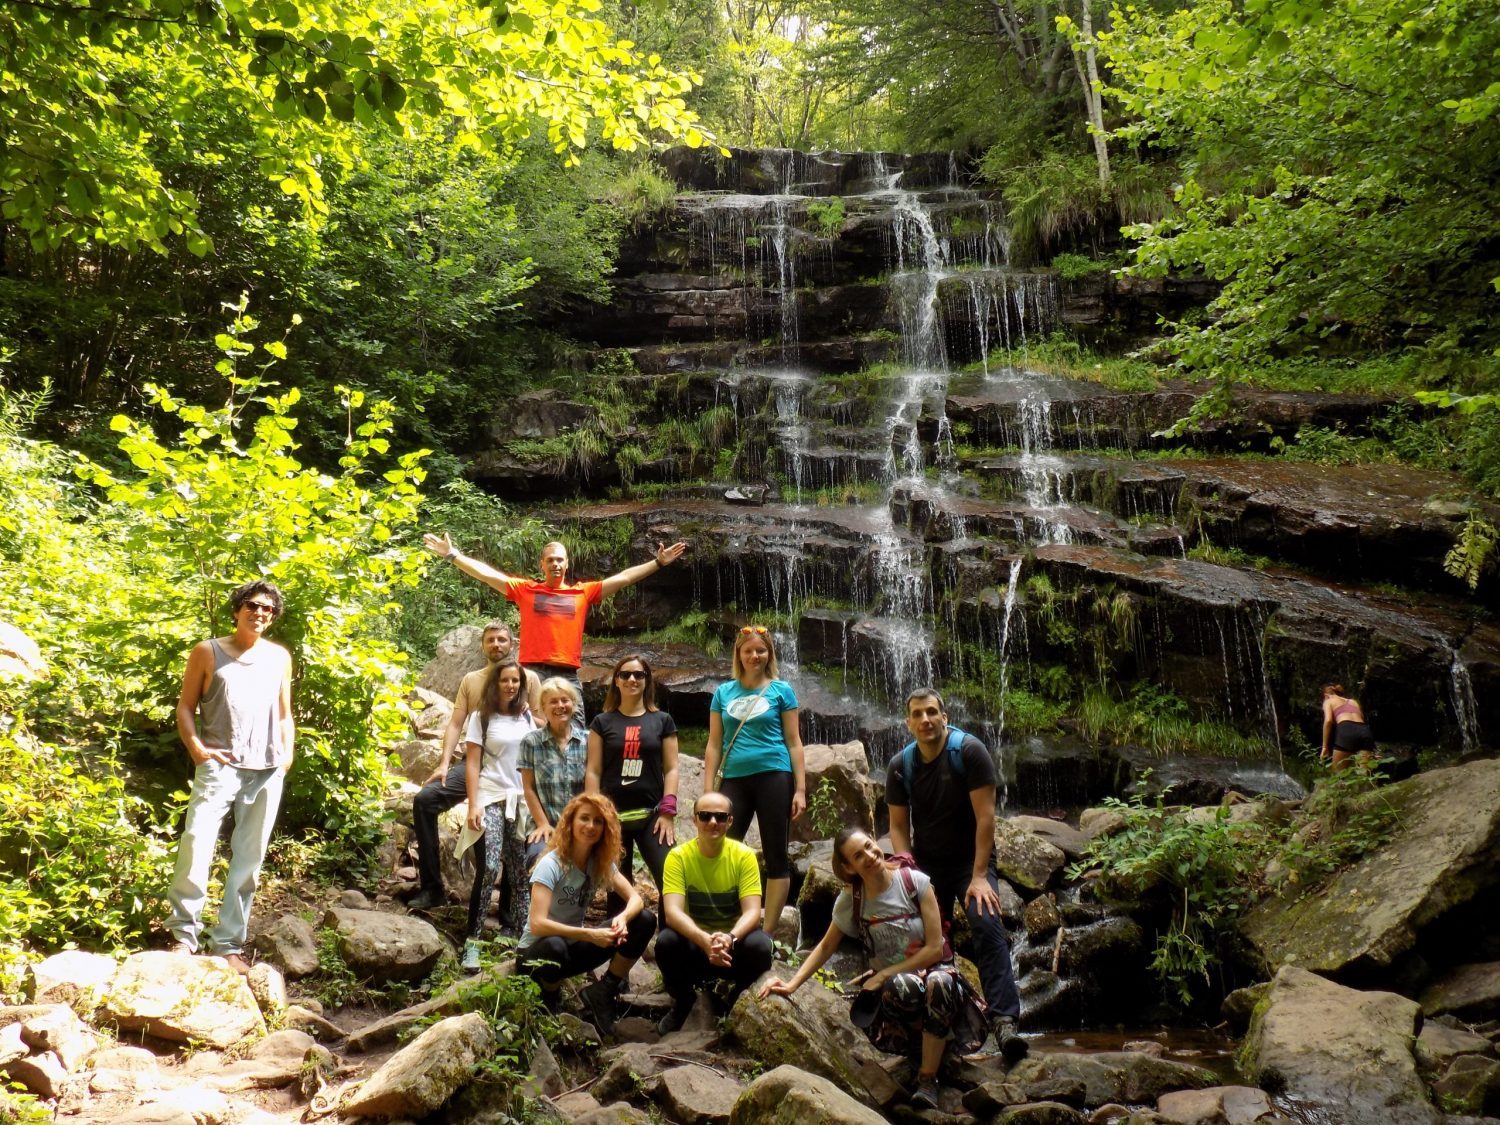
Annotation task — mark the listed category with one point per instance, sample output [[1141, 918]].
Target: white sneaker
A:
[[470, 961]]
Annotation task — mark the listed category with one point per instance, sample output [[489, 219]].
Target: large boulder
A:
[[424, 1074], [1106, 1076], [1469, 991], [181, 999], [1218, 1105], [1059, 833], [842, 772], [811, 1030], [789, 1096], [384, 947], [430, 713], [696, 1095], [458, 654], [1444, 854], [52, 1028], [1337, 1051], [1024, 858], [20, 658], [419, 758], [73, 977]]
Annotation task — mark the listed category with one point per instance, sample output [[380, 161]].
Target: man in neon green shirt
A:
[[710, 894]]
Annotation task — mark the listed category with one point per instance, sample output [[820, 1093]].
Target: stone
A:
[[1041, 917], [1217, 1105], [291, 944], [299, 1018], [190, 1105], [616, 1113], [991, 1096], [277, 1060], [1072, 842], [58, 1029], [72, 977], [842, 770], [1101, 822], [1471, 1085], [1469, 991], [630, 1071], [430, 714], [1108, 1113], [424, 1074], [1040, 1113], [383, 947], [1337, 1051], [1108, 1076], [1438, 1046], [1024, 858], [811, 1030], [20, 658], [43, 1074], [788, 926], [1239, 1005], [1444, 853], [183, 999], [268, 987], [351, 899], [790, 1096], [576, 1104], [695, 1095], [124, 1069], [12, 1046], [419, 758], [544, 1079], [458, 654]]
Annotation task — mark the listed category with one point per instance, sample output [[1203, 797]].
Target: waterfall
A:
[[1011, 585], [786, 271], [920, 262], [1465, 711]]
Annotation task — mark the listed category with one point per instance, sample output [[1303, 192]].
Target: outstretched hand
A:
[[665, 556], [776, 987], [441, 546]]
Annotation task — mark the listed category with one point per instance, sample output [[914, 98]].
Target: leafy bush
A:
[[641, 194], [826, 216], [1072, 267]]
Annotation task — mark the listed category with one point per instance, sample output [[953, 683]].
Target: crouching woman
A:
[[581, 860], [911, 1002]]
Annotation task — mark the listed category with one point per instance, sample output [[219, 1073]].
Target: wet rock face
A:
[[1444, 854], [1338, 1051]]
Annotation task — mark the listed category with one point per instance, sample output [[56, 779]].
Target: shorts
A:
[[1352, 738]]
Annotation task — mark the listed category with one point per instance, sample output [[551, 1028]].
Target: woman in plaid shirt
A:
[[551, 762]]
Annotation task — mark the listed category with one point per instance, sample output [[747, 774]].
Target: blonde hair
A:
[[749, 632], [558, 685], [606, 852]]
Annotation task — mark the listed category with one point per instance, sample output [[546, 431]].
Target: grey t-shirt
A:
[[572, 891], [890, 938]]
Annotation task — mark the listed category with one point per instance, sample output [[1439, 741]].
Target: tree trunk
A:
[[1093, 96]]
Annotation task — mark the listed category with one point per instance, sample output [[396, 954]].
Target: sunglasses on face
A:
[[716, 817], [258, 607], [632, 675]]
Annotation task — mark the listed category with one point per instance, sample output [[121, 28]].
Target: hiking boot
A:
[[427, 900], [674, 1019], [552, 1000], [926, 1094], [1008, 1039], [470, 961], [599, 999]]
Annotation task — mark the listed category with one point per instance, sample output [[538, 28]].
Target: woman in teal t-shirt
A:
[[754, 757]]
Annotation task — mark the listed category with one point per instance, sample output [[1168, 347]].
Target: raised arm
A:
[[815, 959], [443, 548], [665, 556]]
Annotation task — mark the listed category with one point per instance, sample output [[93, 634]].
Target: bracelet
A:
[[667, 806], [454, 555]]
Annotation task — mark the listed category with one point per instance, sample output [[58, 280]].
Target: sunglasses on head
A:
[[759, 629], [632, 675], [716, 817]]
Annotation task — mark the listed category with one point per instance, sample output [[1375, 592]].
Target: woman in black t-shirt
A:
[[632, 760]]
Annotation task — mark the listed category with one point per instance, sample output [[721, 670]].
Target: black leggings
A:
[[553, 959], [653, 853], [768, 797]]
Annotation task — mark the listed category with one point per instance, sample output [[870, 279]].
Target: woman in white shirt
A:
[[913, 1001], [493, 739]]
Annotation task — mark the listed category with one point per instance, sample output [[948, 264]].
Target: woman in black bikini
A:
[[1344, 729]]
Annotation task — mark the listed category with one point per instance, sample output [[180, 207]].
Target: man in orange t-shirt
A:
[[552, 610]]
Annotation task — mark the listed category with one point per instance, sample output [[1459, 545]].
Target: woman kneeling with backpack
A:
[[913, 1001]]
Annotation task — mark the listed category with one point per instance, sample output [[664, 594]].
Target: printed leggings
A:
[[500, 846]]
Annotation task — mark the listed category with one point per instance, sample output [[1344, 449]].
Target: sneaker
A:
[[427, 900], [926, 1094], [674, 1019], [599, 998], [470, 960], [1008, 1039]]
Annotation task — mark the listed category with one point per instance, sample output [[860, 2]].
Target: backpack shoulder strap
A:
[[908, 763], [956, 750]]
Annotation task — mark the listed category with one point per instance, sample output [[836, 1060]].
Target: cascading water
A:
[[1465, 711]]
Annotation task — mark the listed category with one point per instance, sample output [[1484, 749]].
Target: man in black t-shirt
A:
[[946, 818]]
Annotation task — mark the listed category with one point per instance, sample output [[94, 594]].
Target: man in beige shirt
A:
[[446, 787]]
